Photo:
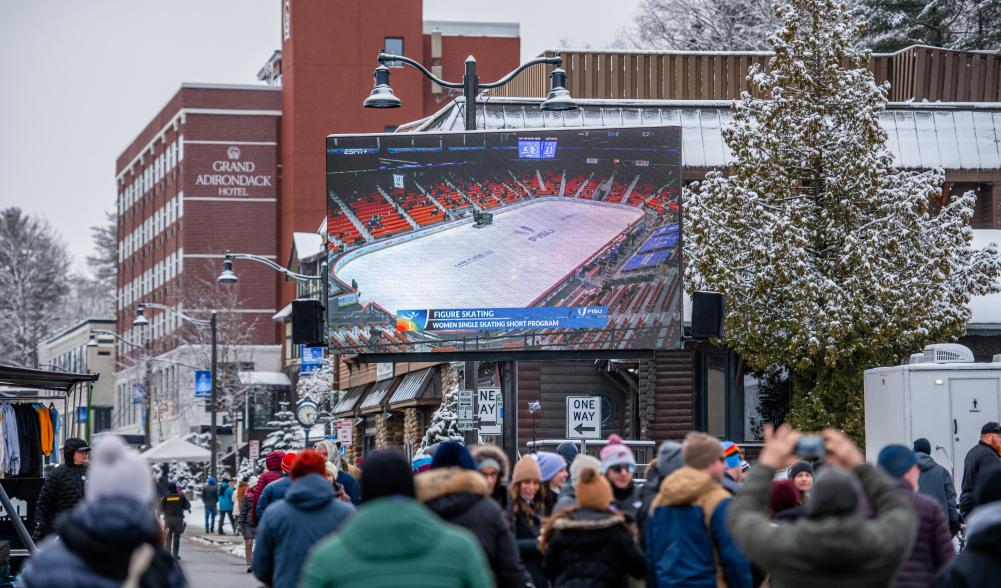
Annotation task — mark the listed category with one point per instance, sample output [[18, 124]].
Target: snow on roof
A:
[[264, 379], [921, 135], [308, 246]]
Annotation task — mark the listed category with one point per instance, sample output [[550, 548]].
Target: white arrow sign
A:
[[489, 411], [583, 417]]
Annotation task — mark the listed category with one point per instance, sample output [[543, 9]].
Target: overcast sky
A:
[[81, 79]]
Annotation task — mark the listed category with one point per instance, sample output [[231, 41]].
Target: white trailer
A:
[[940, 395]]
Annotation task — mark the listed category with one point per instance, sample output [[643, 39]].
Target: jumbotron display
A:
[[505, 241]]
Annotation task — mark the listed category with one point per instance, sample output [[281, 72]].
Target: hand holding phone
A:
[[809, 446]]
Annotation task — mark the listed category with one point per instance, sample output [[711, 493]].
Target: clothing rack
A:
[[26, 386]]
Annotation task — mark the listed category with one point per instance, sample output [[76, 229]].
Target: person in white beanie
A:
[[112, 538]]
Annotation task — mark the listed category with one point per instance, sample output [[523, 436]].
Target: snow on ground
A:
[[505, 265]]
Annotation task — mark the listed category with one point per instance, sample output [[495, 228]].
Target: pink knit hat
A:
[[616, 453]]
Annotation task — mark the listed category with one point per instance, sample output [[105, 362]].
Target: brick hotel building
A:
[[242, 168]]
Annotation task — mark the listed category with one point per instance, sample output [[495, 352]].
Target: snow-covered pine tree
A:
[[831, 260], [954, 24], [287, 437], [445, 421]]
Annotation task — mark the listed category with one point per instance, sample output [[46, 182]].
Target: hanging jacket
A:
[[95, 547], [45, 429], [54, 415], [12, 455]]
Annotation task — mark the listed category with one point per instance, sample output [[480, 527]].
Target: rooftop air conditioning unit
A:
[[996, 359], [947, 353], [916, 358]]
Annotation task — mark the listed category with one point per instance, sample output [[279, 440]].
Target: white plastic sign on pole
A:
[[255, 449], [490, 411], [345, 432], [465, 413], [583, 417]]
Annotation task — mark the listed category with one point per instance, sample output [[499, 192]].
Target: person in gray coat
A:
[[834, 545], [936, 483]]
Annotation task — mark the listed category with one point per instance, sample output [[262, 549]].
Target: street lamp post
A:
[[382, 95], [142, 321]]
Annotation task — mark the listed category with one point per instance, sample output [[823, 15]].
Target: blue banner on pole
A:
[[203, 383], [81, 414], [312, 358], [483, 319]]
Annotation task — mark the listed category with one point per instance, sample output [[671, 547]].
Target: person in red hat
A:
[[290, 527], [276, 490]]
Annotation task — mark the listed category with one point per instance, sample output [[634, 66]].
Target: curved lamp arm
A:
[[202, 322], [557, 61], [389, 57], [385, 58], [295, 276], [116, 336]]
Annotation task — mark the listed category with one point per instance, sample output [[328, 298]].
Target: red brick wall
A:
[[495, 58]]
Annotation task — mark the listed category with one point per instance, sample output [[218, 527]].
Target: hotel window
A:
[[393, 46]]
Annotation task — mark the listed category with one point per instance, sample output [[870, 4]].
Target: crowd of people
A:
[[702, 516]]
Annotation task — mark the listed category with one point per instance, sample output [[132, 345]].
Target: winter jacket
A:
[[730, 485], [210, 494], [932, 546], [274, 492], [460, 497], [527, 529], [832, 551], [587, 548], [243, 518], [627, 501], [95, 544], [936, 483], [567, 497], [397, 541], [174, 504], [687, 542], [499, 495], [350, 486], [61, 491], [226, 497], [273, 463], [980, 563], [292, 526], [979, 459]]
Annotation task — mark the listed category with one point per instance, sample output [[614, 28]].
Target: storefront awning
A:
[[417, 389], [347, 404], [373, 400]]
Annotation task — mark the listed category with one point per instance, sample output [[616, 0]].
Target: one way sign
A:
[[583, 417]]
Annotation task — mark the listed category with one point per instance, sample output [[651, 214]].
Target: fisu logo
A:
[[233, 152]]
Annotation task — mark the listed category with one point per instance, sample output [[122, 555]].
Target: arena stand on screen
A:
[[526, 240]]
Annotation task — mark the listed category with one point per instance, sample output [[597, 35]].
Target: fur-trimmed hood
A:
[[443, 481], [495, 453], [575, 518]]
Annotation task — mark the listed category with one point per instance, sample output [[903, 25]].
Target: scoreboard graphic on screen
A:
[[582, 253]]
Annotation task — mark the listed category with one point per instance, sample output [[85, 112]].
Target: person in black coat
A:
[[980, 563], [591, 545], [458, 494], [982, 457], [63, 489], [935, 482]]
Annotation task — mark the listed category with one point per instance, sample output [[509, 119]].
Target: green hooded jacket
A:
[[395, 542]]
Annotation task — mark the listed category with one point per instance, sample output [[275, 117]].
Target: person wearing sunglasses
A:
[[619, 466]]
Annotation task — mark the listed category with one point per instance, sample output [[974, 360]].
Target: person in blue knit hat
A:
[[554, 475], [933, 545], [568, 450]]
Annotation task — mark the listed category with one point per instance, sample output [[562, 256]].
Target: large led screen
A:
[[505, 241]]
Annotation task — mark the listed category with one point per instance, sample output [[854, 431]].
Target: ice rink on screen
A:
[[508, 264]]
